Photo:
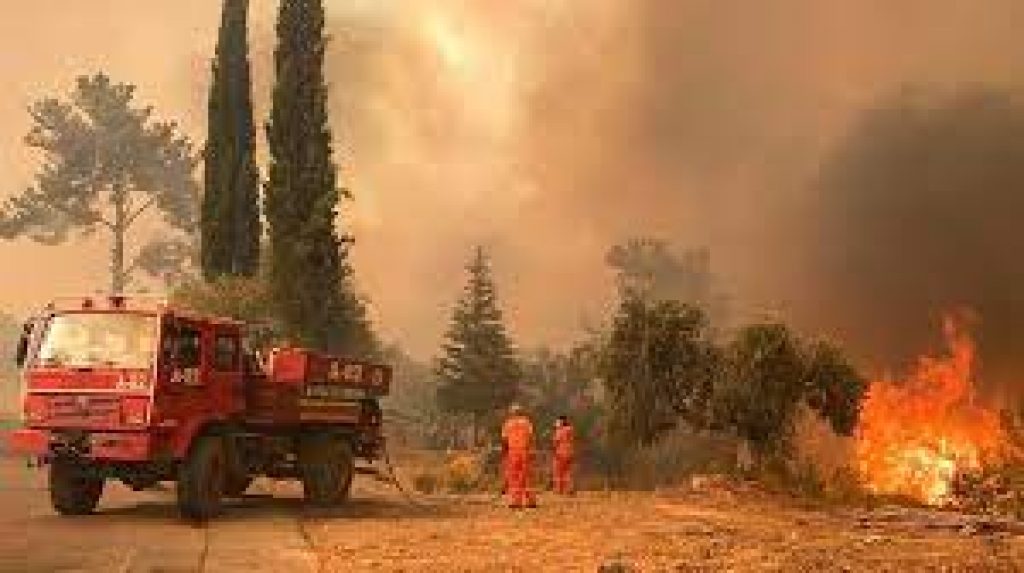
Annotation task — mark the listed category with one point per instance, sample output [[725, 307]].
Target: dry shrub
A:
[[464, 472], [673, 459], [425, 483], [998, 488], [822, 464], [819, 465], [457, 472], [815, 443]]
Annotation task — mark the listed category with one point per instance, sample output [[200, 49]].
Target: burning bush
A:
[[996, 488], [918, 434]]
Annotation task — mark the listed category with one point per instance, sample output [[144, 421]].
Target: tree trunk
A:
[[745, 461], [453, 437], [118, 280]]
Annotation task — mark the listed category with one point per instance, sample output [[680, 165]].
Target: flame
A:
[[915, 435]]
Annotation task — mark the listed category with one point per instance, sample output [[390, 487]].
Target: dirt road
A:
[[378, 531]]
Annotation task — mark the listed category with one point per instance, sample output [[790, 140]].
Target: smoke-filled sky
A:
[[547, 130]]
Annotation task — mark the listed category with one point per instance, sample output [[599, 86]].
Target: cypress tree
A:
[[230, 212], [310, 278], [478, 373]]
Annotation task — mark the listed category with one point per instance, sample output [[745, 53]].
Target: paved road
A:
[[136, 532]]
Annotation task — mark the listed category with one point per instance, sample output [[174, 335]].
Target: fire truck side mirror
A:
[[21, 353], [168, 346]]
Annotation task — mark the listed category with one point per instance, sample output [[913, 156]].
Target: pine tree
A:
[[230, 212], [310, 278], [478, 374], [107, 166]]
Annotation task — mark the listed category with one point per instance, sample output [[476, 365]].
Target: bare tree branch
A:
[[133, 216]]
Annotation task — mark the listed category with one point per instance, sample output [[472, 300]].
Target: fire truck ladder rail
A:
[[130, 301]]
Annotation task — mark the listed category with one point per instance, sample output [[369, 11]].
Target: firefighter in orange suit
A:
[[563, 455], [517, 444]]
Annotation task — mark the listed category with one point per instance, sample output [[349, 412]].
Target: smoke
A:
[[452, 114], [920, 213], [550, 130]]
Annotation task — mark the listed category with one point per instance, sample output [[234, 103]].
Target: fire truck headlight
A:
[[134, 411]]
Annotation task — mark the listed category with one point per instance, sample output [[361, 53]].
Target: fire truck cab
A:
[[132, 389]]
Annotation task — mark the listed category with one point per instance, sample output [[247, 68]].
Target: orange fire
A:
[[916, 434]]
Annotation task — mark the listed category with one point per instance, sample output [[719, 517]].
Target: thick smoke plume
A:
[[549, 130], [921, 208]]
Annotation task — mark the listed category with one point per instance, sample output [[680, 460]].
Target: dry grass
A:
[[820, 469], [670, 531]]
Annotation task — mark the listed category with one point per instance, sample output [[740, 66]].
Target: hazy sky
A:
[[545, 130]]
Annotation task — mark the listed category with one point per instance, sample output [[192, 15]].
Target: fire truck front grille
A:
[[84, 410]]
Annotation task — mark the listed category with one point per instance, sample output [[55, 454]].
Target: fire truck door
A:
[[184, 381], [226, 376]]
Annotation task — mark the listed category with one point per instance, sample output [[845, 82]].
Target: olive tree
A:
[[658, 368], [769, 372]]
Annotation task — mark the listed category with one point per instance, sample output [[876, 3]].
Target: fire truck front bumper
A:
[[33, 443], [112, 446]]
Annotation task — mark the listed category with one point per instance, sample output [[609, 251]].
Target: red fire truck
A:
[[133, 389]]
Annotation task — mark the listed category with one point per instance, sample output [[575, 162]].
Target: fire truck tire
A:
[[72, 490], [237, 478], [201, 479], [326, 466], [237, 485]]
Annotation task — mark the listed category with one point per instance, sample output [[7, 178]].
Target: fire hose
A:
[[492, 463], [392, 476]]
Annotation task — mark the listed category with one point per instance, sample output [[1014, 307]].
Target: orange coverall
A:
[[563, 459], [517, 433]]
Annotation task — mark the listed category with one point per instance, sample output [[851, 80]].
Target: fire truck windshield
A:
[[90, 340]]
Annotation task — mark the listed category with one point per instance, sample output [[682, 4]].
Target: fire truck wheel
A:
[[201, 479], [327, 466], [236, 485], [237, 478], [72, 490]]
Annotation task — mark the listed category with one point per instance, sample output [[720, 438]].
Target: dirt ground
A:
[[380, 531]]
